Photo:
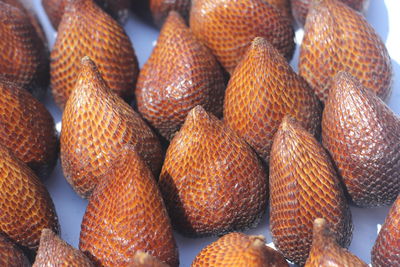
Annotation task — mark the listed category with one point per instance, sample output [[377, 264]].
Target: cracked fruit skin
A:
[[212, 181], [96, 124], [11, 255], [303, 186], [261, 91], [180, 74], [27, 129], [325, 250], [337, 38], [362, 135], [53, 251], [228, 28], [126, 214], [161, 8], [237, 249], [386, 250], [86, 30]]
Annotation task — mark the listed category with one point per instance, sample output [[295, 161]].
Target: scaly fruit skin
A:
[[300, 8], [362, 135], [53, 251], [11, 255], [228, 27], [27, 129], [24, 60], [180, 74], [126, 214], [25, 204], [143, 259], [337, 38], [161, 8], [86, 30], [282, 5], [326, 252], [261, 91], [237, 249], [304, 186], [211, 180], [386, 251], [96, 124]]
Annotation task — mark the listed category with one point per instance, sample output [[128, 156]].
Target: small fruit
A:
[[126, 214], [304, 186], [53, 251], [237, 249], [211, 180], [386, 251], [27, 129], [161, 8], [261, 91], [96, 124], [228, 27], [337, 38], [362, 135], [325, 250], [180, 74], [86, 30], [143, 259], [11, 255]]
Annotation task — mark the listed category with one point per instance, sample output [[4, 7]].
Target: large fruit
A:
[[11, 255], [337, 38], [211, 180], [261, 91], [96, 124], [362, 135], [86, 30], [228, 27], [161, 8], [126, 214], [180, 74], [303, 186]]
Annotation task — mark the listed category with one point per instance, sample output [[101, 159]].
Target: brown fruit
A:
[[281, 5], [362, 135], [24, 60], [237, 249], [304, 186], [325, 250], [180, 74], [126, 214], [261, 91], [53, 251], [86, 30], [228, 27], [11, 255], [211, 180], [337, 38], [96, 124], [143, 259], [27, 129], [161, 8], [26, 206]]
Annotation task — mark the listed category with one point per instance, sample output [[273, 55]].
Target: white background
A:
[[384, 17]]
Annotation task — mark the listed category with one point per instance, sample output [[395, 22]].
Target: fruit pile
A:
[[212, 132]]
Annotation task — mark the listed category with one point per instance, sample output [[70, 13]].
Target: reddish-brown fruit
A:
[[26, 206], [127, 214], [282, 5], [304, 186], [96, 124], [211, 180], [362, 135], [11, 255], [262, 90], [143, 259], [161, 8], [27, 129], [237, 249], [180, 74], [337, 38], [86, 30], [386, 251], [325, 250], [53, 251], [228, 27], [24, 60]]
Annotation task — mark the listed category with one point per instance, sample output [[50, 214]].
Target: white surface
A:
[[383, 15]]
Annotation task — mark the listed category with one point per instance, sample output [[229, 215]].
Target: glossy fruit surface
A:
[[11, 255], [161, 8]]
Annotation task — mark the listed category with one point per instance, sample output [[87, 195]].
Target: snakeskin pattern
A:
[[11, 255], [161, 8]]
